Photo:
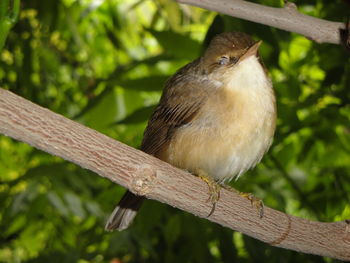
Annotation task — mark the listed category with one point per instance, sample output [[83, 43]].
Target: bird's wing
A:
[[183, 97]]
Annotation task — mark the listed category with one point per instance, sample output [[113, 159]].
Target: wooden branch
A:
[[145, 175], [287, 18]]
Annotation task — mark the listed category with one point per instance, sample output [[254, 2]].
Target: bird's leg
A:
[[214, 189], [258, 203]]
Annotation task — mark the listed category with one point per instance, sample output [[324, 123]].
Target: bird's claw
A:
[[258, 203], [214, 191]]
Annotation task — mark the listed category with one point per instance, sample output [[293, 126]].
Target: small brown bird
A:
[[216, 118]]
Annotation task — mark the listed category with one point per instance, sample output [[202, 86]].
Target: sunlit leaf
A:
[[181, 46]]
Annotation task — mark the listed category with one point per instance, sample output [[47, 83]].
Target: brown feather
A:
[[171, 113]]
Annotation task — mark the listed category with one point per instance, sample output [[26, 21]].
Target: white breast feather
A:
[[250, 81]]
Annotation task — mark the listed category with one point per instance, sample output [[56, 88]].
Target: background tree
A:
[[104, 65]]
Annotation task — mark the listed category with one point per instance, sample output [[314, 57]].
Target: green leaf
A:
[[75, 205], [152, 83], [177, 45], [57, 202]]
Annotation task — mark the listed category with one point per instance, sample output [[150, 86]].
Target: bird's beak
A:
[[251, 51]]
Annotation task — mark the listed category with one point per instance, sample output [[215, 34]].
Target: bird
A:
[[216, 119]]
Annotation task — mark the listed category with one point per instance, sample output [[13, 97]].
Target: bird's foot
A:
[[258, 203], [214, 190]]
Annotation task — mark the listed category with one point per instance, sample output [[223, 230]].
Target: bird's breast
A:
[[231, 132]]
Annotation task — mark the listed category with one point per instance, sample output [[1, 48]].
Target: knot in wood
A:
[[143, 180], [290, 6]]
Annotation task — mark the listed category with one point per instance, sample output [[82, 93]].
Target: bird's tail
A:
[[125, 212]]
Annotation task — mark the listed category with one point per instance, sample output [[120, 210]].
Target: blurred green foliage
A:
[[103, 64], [8, 17]]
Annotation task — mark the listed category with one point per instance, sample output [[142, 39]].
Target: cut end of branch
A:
[[346, 237], [345, 35]]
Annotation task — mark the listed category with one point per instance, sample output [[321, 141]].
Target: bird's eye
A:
[[224, 60]]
